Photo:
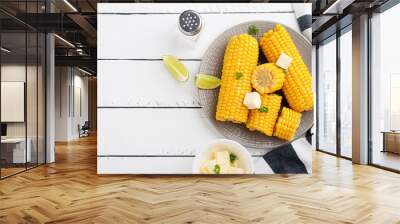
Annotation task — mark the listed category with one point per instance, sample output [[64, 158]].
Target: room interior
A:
[[49, 94], [22, 102], [24, 52]]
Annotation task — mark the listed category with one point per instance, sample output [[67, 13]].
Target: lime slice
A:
[[176, 68], [204, 81]]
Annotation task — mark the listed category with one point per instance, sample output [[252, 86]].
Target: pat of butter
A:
[[210, 166], [224, 168], [252, 100], [222, 157], [204, 169], [284, 61]]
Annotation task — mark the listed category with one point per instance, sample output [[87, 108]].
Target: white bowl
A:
[[245, 160]]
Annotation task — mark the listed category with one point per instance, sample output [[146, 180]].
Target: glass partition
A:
[[385, 89], [327, 96], [346, 93], [23, 90], [14, 155], [31, 100], [41, 97]]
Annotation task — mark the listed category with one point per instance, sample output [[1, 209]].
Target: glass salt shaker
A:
[[190, 24]]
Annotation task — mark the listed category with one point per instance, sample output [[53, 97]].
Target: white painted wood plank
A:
[[144, 165], [261, 167], [147, 131], [159, 165], [150, 36], [144, 84], [200, 7]]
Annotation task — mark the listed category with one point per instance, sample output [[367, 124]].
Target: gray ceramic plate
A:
[[212, 64]]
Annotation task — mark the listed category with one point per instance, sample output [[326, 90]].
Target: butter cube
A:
[[224, 168], [252, 100], [210, 166], [284, 61], [204, 169], [222, 157]]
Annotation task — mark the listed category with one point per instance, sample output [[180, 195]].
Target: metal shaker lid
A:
[[190, 22]]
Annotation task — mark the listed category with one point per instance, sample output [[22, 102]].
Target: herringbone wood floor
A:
[[70, 191]]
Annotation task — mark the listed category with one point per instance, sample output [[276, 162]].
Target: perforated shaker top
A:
[[190, 22]]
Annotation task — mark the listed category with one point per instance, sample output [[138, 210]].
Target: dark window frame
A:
[[334, 37]]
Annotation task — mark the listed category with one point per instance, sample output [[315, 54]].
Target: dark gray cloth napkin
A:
[[284, 160]]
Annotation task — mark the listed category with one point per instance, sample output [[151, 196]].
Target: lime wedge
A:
[[176, 68], [204, 81]]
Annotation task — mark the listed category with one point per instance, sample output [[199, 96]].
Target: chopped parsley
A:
[[263, 109], [217, 169], [232, 157], [286, 71], [253, 30], [238, 75]]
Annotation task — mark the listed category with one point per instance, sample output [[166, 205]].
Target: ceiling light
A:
[[65, 41], [80, 51], [70, 5], [5, 50], [84, 71], [337, 7], [331, 8]]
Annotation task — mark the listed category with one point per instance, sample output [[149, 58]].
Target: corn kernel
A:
[[298, 83], [263, 119], [287, 124], [240, 59]]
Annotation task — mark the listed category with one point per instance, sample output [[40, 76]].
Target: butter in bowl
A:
[[223, 156]]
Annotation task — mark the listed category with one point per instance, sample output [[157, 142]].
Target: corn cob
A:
[[267, 78], [263, 119], [287, 124], [298, 84], [240, 59]]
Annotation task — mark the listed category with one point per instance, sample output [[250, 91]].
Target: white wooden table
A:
[[147, 122]]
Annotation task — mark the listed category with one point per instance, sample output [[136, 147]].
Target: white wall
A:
[[33, 127], [9, 73], [16, 73], [79, 117], [61, 103], [69, 82]]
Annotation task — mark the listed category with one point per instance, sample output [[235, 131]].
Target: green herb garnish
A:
[[217, 169], [263, 109], [286, 71], [232, 157], [238, 75], [253, 30]]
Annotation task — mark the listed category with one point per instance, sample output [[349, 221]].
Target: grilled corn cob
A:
[[297, 87], [263, 119], [240, 59], [267, 78], [287, 124]]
